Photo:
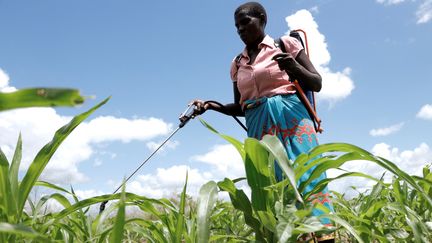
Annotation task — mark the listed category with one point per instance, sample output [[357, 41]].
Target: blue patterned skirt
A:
[[287, 118]]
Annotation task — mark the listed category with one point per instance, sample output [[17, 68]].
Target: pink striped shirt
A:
[[263, 78]]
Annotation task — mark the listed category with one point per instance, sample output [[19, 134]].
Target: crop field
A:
[[399, 210]]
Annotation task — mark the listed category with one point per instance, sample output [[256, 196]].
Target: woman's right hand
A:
[[200, 107], [232, 109]]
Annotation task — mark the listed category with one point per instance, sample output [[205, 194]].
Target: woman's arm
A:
[[231, 109], [300, 68], [306, 73]]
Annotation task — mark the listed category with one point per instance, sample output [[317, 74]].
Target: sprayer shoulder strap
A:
[[280, 44], [306, 96]]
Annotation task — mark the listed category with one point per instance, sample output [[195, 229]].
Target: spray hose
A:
[[235, 117]]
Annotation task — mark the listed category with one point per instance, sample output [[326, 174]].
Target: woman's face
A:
[[249, 28]]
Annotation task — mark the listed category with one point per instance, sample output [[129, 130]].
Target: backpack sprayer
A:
[[184, 118]]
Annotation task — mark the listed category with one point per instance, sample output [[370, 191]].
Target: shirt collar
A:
[[267, 41]]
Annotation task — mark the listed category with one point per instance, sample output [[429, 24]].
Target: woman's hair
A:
[[255, 9]]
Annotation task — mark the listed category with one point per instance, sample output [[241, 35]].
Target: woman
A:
[[263, 93]]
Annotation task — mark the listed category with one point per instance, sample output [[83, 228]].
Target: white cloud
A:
[[98, 162], [109, 128], [409, 161], [314, 9], [4, 79], [221, 161], [84, 194], [386, 130], [225, 159], [79, 146], [390, 2], [169, 144], [4, 82], [336, 85], [38, 125], [424, 12], [425, 112], [168, 182]]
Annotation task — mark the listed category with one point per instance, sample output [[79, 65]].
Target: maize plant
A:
[[277, 212], [399, 210]]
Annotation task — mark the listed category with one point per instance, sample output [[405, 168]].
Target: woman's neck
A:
[[254, 46]]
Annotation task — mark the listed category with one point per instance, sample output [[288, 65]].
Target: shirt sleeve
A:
[[292, 45], [233, 70]]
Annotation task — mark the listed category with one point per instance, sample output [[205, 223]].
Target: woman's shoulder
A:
[[292, 45], [289, 40]]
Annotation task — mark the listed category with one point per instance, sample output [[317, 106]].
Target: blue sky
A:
[[153, 57]]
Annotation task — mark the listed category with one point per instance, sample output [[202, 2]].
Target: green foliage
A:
[[44, 155], [277, 211], [14, 194], [396, 211], [271, 202], [206, 200], [40, 97], [117, 232], [389, 212]]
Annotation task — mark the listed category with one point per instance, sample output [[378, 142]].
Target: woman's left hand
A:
[[286, 62], [301, 69]]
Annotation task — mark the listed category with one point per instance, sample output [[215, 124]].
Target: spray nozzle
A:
[[187, 115]]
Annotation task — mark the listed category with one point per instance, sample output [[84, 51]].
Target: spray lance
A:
[[184, 118]]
